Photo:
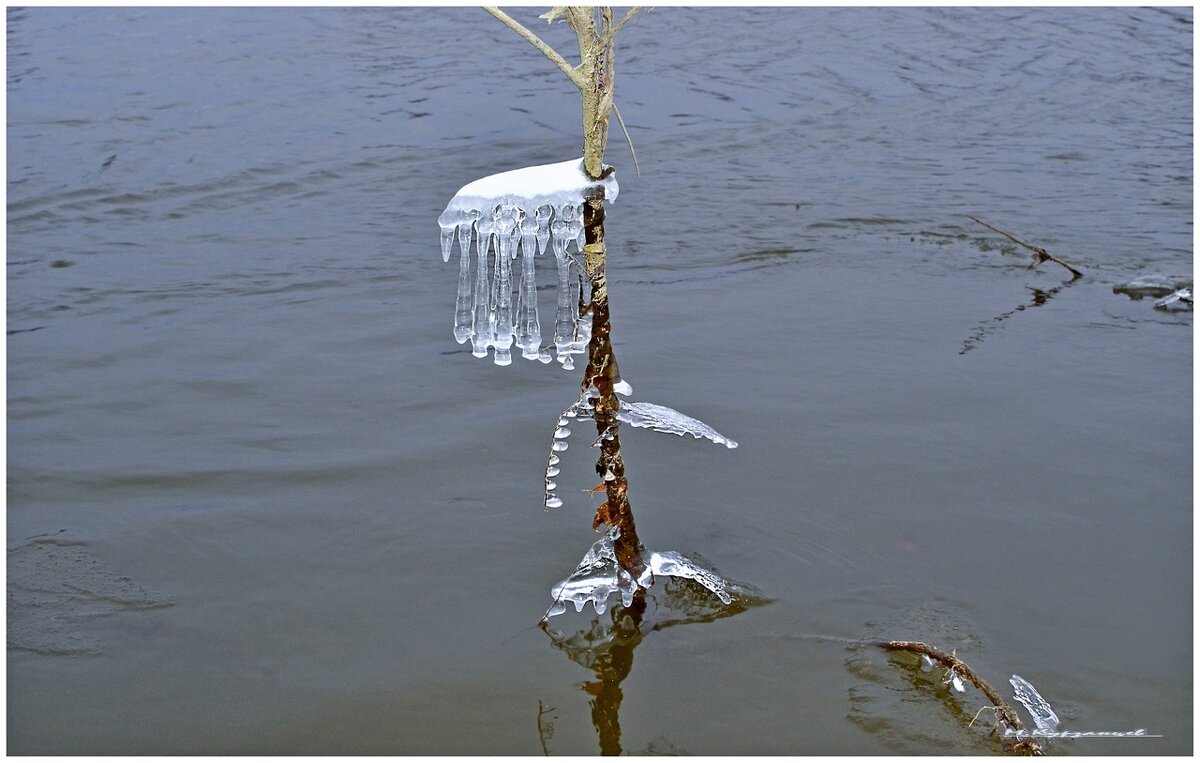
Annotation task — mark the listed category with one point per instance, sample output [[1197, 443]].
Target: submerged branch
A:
[[1040, 254], [572, 73], [1023, 744]]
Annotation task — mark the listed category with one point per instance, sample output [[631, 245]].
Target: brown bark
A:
[[602, 373]]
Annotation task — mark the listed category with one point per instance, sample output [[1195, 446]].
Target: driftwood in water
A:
[[1040, 254]]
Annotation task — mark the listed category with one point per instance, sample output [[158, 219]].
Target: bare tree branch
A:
[[627, 138], [608, 38], [572, 74]]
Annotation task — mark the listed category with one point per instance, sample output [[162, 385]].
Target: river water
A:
[[259, 501]]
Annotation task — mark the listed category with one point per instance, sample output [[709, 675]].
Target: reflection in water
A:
[[984, 328], [606, 646]]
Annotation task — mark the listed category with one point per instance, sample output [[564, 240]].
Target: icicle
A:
[[481, 325], [464, 308], [505, 218], [564, 319], [527, 210], [529, 332], [543, 227], [597, 577]]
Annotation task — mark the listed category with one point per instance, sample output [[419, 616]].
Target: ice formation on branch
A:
[[1044, 717], [599, 575], [1179, 300], [673, 564], [526, 212], [660, 418]]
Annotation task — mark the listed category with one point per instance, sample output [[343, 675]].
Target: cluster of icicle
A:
[[660, 418], [599, 575], [525, 212]]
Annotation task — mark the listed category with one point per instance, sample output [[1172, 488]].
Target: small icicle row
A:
[[485, 312]]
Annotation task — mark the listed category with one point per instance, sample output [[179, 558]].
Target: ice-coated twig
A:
[[1044, 717]]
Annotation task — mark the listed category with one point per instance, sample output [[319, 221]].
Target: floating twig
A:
[[1040, 254]]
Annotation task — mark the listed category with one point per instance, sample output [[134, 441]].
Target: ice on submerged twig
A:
[[1152, 286], [599, 575], [1044, 717], [954, 681], [526, 211], [1179, 300]]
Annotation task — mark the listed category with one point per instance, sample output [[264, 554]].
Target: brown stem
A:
[[1039, 253], [602, 373], [1024, 745]]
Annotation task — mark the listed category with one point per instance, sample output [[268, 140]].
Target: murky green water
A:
[[260, 502]]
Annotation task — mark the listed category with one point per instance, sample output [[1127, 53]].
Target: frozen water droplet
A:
[[559, 445], [562, 433], [553, 459], [609, 476], [551, 485], [553, 502], [568, 363], [621, 387], [956, 683], [563, 421], [551, 472]]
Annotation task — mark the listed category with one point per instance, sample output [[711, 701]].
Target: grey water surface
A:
[[259, 501]]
